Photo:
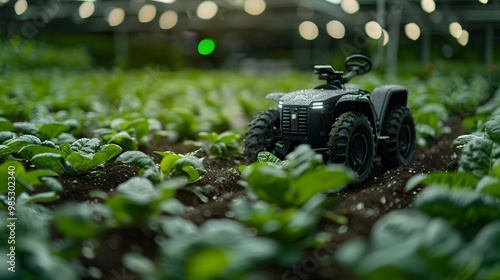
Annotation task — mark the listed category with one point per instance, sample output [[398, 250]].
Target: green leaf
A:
[[52, 161], [269, 183], [210, 137], [86, 146], [478, 157], [125, 140], [489, 185], [81, 162], [228, 137], [42, 197], [190, 173], [266, 156], [492, 128], [461, 207], [168, 162], [487, 242], [139, 264], [136, 158], [207, 263], [14, 145], [451, 180], [140, 127], [138, 190], [7, 169], [6, 135], [330, 178], [52, 183], [29, 151], [77, 220], [303, 159], [26, 128], [51, 130], [107, 152], [5, 125]]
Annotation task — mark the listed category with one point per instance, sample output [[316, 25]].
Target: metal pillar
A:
[[426, 47], [381, 20], [121, 42], [393, 47], [489, 45]]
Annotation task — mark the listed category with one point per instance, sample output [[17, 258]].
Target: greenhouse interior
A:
[[250, 139]]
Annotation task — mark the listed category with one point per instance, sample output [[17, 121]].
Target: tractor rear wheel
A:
[[352, 144], [262, 134], [399, 126]]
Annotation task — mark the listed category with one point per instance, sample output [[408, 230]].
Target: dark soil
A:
[[363, 205]]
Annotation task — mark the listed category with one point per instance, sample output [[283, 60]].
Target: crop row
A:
[[453, 229], [67, 123]]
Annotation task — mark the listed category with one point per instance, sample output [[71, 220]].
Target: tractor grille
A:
[[294, 120]]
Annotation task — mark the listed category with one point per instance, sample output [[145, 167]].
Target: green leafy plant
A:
[[128, 134], [293, 183], [72, 159], [26, 181], [219, 145], [172, 165]]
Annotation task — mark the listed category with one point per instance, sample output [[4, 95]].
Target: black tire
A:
[[352, 144], [262, 134], [399, 126]]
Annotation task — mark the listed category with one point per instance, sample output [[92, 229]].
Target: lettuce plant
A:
[[70, 159], [294, 182], [172, 165]]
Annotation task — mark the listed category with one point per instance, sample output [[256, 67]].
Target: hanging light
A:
[[168, 19], [20, 7], [255, 7], [455, 29], [207, 10], [385, 34], [116, 16], [373, 30], [428, 6], [350, 6], [335, 29], [308, 30], [147, 13], [86, 9], [412, 31], [464, 38]]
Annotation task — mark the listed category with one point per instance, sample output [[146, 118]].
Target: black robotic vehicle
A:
[[341, 121]]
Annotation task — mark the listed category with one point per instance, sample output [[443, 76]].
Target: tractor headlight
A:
[[280, 104], [317, 105]]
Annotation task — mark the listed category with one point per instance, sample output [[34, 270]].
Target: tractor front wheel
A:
[[352, 144], [262, 134]]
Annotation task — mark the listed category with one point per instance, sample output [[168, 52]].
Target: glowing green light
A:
[[206, 46]]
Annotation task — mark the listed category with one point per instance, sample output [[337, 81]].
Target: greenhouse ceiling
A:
[[273, 21], [97, 16]]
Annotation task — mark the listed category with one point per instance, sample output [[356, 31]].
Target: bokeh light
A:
[[428, 6], [412, 31], [255, 7], [350, 6], [373, 30], [335, 29], [116, 16], [207, 10], [86, 9], [168, 19], [20, 7], [206, 46], [308, 30], [147, 13]]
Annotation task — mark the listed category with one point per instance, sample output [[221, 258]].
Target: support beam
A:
[[489, 45]]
